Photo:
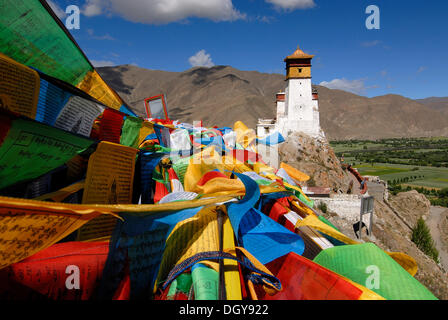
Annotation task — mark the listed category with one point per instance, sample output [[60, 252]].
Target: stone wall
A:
[[346, 206]]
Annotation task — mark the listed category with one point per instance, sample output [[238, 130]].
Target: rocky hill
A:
[[412, 206], [317, 159], [222, 95]]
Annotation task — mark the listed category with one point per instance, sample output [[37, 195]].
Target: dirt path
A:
[[435, 224]]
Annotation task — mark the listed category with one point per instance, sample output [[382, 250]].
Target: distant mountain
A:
[[222, 95], [436, 103], [348, 116]]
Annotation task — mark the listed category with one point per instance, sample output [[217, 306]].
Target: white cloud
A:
[[201, 59], [93, 8], [292, 4], [354, 86], [96, 37], [102, 63], [264, 19], [57, 9], [421, 69], [368, 44], [164, 11]]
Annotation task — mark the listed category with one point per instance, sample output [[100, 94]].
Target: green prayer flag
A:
[[131, 131], [371, 267], [31, 149], [32, 37], [205, 282]]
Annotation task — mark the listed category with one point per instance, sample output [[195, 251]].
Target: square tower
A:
[[301, 110]]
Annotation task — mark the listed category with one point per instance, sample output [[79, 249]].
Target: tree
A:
[[323, 207], [421, 236], [443, 193]]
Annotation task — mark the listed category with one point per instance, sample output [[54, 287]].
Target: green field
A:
[[422, 162], [431, 177], [353, 146]]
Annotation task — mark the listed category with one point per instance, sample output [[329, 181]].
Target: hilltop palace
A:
[[298, 106]]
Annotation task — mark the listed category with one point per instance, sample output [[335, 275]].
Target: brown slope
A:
[[222, 95], [436, 103], [345, 116], [219, 95]]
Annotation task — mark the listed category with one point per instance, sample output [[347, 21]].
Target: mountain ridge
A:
[[222, 95]]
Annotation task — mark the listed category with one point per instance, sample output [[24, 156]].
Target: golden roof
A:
[[299, 54]]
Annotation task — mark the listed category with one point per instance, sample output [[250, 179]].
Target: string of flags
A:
[[99, 204]]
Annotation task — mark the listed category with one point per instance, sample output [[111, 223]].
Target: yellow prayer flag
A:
[[314, 222], [19, 87], [294, 173], [110, 178], [27, 227], [146, 129], [190, 237], [407, 262], [231, 272], [95, 86], [244, 135]]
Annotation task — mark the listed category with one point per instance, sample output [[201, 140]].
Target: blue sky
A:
[[408, 55]]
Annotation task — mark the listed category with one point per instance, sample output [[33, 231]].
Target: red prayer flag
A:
[[302, 279], [110, 125], [53, 273]]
